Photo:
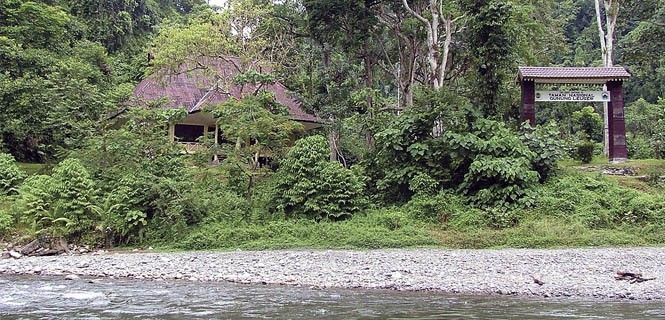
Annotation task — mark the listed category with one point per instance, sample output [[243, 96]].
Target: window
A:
[[188, 132]]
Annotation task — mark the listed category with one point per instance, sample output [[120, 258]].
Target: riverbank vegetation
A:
[[421, 144]]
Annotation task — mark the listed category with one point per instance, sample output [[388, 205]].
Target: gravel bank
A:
[[565, 273]]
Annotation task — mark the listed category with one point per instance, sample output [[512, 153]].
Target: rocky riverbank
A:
[[547, 273]]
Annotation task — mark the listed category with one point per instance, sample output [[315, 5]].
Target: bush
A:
[[545, 142], [585, 151], [483, 159], [309, 185], [10, 174], [392, 219], [59, 205], [589, 122], [6, 222], [639, 148], [642, 208], [225, 206], [146, 191], [438, 208], [499, 170], [422, 184]]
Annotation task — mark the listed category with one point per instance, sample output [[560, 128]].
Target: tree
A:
[[309, 185], [259, 128], [611, 13], [492, 48], [437, 17]]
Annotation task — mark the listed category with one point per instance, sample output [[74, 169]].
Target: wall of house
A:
[[206, 122]]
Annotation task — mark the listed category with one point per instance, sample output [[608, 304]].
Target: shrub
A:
[[545, 142], [10, 174], [641, 209], [485, 160], [59, 205], [499, 170], [422, 184], [639, 148], [309, 185], [502, 217], [144, 181], [589, 122], [6, 221], [585, 151], [225, 206], [437, 208]]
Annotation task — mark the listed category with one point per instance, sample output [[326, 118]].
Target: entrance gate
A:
[[612, 78]]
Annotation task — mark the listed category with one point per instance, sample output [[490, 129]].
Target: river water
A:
[[56, 298]]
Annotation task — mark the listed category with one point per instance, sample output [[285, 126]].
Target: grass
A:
[[550, 233], [642, 167], [366, 232], [639, 164], [299, 234]]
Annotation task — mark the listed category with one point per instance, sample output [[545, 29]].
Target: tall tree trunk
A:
[[369, 84], [333, 143], [437, 57], [611, 13]]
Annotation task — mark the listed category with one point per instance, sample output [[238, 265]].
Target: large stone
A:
[[15, 255], [31, 247]]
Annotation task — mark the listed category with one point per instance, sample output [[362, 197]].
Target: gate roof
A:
[[593, 75]]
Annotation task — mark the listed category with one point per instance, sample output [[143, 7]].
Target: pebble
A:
[[587, 273], [72, 277]]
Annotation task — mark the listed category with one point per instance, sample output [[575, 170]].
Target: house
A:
[[192, 90]]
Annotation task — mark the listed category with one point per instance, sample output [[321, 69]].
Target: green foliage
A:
[[309, 185], [147, 190], [598, 203], [59, 205], [6, 221], [639, 148], [406, 148], [500, 169], [435, 208], [260, 129], [492, 40], [645, 127], [10, 174], [423, 184], [585, 151], [483, 159], [377, 229], [57, 79], [545, 142], [590, 123]]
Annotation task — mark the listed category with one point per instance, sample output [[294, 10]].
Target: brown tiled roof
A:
[[575, 73], [194, 90]]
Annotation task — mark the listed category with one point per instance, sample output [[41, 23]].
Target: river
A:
[[27, 297]]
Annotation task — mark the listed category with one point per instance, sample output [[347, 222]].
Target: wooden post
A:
[[529, 102], [171, 131], [618, 151]]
